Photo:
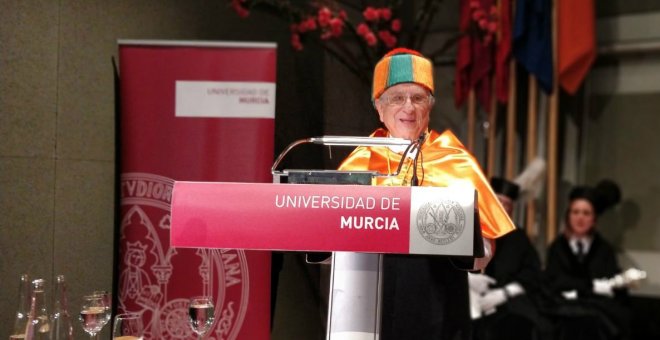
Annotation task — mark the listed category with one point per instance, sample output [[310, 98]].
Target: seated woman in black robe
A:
[[582, 269]]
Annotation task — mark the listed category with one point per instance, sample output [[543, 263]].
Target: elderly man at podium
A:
[[424, 297]]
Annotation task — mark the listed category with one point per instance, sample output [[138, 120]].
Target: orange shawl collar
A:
[[443, 161]]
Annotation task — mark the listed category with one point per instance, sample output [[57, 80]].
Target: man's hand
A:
[[630, 277], [603, 287], [479, 282], [514, 289], [492, 299]]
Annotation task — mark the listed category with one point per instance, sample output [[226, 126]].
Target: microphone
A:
[[414, 181], [421, 138]]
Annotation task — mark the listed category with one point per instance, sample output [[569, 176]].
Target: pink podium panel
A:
[[313, 217]]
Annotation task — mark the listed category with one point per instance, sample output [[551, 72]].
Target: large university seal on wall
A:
[[156, 281], [441, 223]]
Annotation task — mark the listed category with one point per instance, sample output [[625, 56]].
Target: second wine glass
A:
[[201, 314], [94, 315], [127, 327]]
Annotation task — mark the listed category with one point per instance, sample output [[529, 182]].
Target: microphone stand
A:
[[414, 181], [351, 141]]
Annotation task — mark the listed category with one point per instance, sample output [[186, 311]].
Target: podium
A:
[[332, 211], [355, 278]]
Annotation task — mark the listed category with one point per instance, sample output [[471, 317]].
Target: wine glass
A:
[[127, 327], [201, 314], [94, 314], [107, 299]]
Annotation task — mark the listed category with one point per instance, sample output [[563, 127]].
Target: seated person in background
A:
[[504, 298], [582, 271]]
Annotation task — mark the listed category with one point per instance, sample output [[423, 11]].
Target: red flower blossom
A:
[[370, 14], [478, 14], [385, 13], [306, 25], [384, 34], [396, 25], [324, 16], [237, 6], [387, 38], [371, 39], [492, 27], [295, 42], [483, 23], [336, 26], [342, 15], [362, 29]]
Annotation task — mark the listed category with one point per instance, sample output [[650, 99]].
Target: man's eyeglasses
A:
[[399, 99]]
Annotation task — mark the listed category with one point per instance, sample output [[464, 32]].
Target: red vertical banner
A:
[[198, 112]]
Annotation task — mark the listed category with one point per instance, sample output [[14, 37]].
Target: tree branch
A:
[[429, 19], [445, 46], [419, 19]]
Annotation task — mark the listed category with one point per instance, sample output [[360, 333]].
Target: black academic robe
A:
[[590, 316], [515, 260], [424, 297]]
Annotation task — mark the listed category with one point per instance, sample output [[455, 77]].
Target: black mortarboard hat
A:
[[605, 195], [505, 187]]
